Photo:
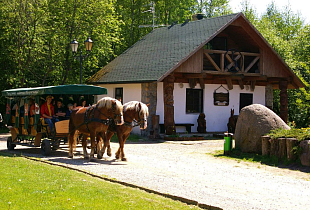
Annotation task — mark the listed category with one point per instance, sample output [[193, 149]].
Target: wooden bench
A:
[[62, 128], [188, 127]]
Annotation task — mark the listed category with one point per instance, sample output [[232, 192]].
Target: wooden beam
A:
[[231, 62], [212, 62], [253, 85], [229, 83], [193, 75], [202, 83], [223, 52], [251, 64], [241, 84], [222, 62]]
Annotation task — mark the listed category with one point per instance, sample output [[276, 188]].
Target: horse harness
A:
[[91, 112]]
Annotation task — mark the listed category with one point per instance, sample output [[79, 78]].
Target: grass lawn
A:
[[27, 184]]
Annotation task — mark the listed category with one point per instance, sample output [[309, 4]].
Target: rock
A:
[[254, 121], [305, 155]]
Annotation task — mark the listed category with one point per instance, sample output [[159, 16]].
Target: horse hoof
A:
[[91, 160], [124, 159], [116, 156], [109, 154], [99, 156], [70, 156], [86, 157]]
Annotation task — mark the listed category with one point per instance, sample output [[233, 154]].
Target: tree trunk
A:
[[282, 148], [274, 147], [290, 143], [266, 145]]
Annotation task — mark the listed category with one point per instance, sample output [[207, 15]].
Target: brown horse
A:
[[95, 121], [134, 112]]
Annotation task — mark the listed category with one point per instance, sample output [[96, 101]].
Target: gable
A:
[[181, 49]]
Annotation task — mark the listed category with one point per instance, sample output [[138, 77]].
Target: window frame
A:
[[117, 96], [200, 97]]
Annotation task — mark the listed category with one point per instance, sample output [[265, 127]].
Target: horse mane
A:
[[107, 103], [133, 105]]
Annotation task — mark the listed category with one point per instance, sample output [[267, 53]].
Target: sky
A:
[[297, 6]]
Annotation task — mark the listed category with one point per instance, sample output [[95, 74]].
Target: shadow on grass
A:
[[266, 160]]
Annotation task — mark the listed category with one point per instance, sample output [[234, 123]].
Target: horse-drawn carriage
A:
[[32, 130]]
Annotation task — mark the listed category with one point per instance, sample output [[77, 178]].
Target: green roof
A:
[[56, 90], [161, 51]]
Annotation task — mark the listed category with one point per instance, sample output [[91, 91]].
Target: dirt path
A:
[[183, 169]]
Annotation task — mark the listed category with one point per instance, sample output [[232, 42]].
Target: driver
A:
[[47, 112]]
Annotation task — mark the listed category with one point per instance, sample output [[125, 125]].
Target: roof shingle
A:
[[160, 51]]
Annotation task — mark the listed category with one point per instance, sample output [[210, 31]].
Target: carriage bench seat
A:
[[188, 127], [62, 128]]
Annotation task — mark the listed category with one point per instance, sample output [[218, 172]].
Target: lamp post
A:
[[74, 46]]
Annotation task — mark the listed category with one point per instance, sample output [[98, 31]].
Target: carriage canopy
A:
[[55, 90], [36, 92]]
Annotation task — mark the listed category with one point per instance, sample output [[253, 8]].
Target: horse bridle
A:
[[108, 119], [134, 122]]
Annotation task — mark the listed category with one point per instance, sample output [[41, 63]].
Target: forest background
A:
[[35, 37]]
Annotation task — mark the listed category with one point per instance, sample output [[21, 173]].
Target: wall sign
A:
[[220, 98]]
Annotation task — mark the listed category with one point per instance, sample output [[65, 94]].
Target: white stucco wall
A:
[[216, 116], [131, 92]]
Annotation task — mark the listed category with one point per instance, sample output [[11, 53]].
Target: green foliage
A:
[[300, 134], [28, 184]]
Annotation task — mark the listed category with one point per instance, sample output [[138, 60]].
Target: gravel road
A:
[[184, 169]]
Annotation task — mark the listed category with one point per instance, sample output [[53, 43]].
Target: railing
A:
[[233, 60]]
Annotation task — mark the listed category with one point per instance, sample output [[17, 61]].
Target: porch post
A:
[[149, 96], [283, 100], [169, 105], [269, 96]]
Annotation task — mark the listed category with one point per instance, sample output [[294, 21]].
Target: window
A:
[[194, 100], [246, 99], [119, 94]]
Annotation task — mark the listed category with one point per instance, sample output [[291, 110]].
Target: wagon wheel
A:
[[233, 60], [10, 144], [55, 144], [46, 147]]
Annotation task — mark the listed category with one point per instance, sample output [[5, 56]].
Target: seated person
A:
[[68, 113], [83, 103], [60, 111], [32, 111], [47, 112]]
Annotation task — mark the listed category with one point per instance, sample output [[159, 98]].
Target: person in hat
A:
[[48, 113]]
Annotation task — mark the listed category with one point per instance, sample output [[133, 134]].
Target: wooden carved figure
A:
[[202, 125], [232, 121]]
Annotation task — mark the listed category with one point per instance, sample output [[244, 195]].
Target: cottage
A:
[[205, 66]]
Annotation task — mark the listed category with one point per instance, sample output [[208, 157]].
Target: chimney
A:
[[197, 16]]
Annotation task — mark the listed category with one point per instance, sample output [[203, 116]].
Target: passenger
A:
[[68, 113], [74, 105], [60, 111], [47, 112], [32, 111], [83, 103]]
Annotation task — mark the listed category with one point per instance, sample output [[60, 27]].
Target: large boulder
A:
[[253, 122]]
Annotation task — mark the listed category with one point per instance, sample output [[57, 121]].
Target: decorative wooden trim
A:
[[229, 83], [212, 61], [231, 62], [253, 85], [251, 64], [202, 83], [241, 85], [223, 52]]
